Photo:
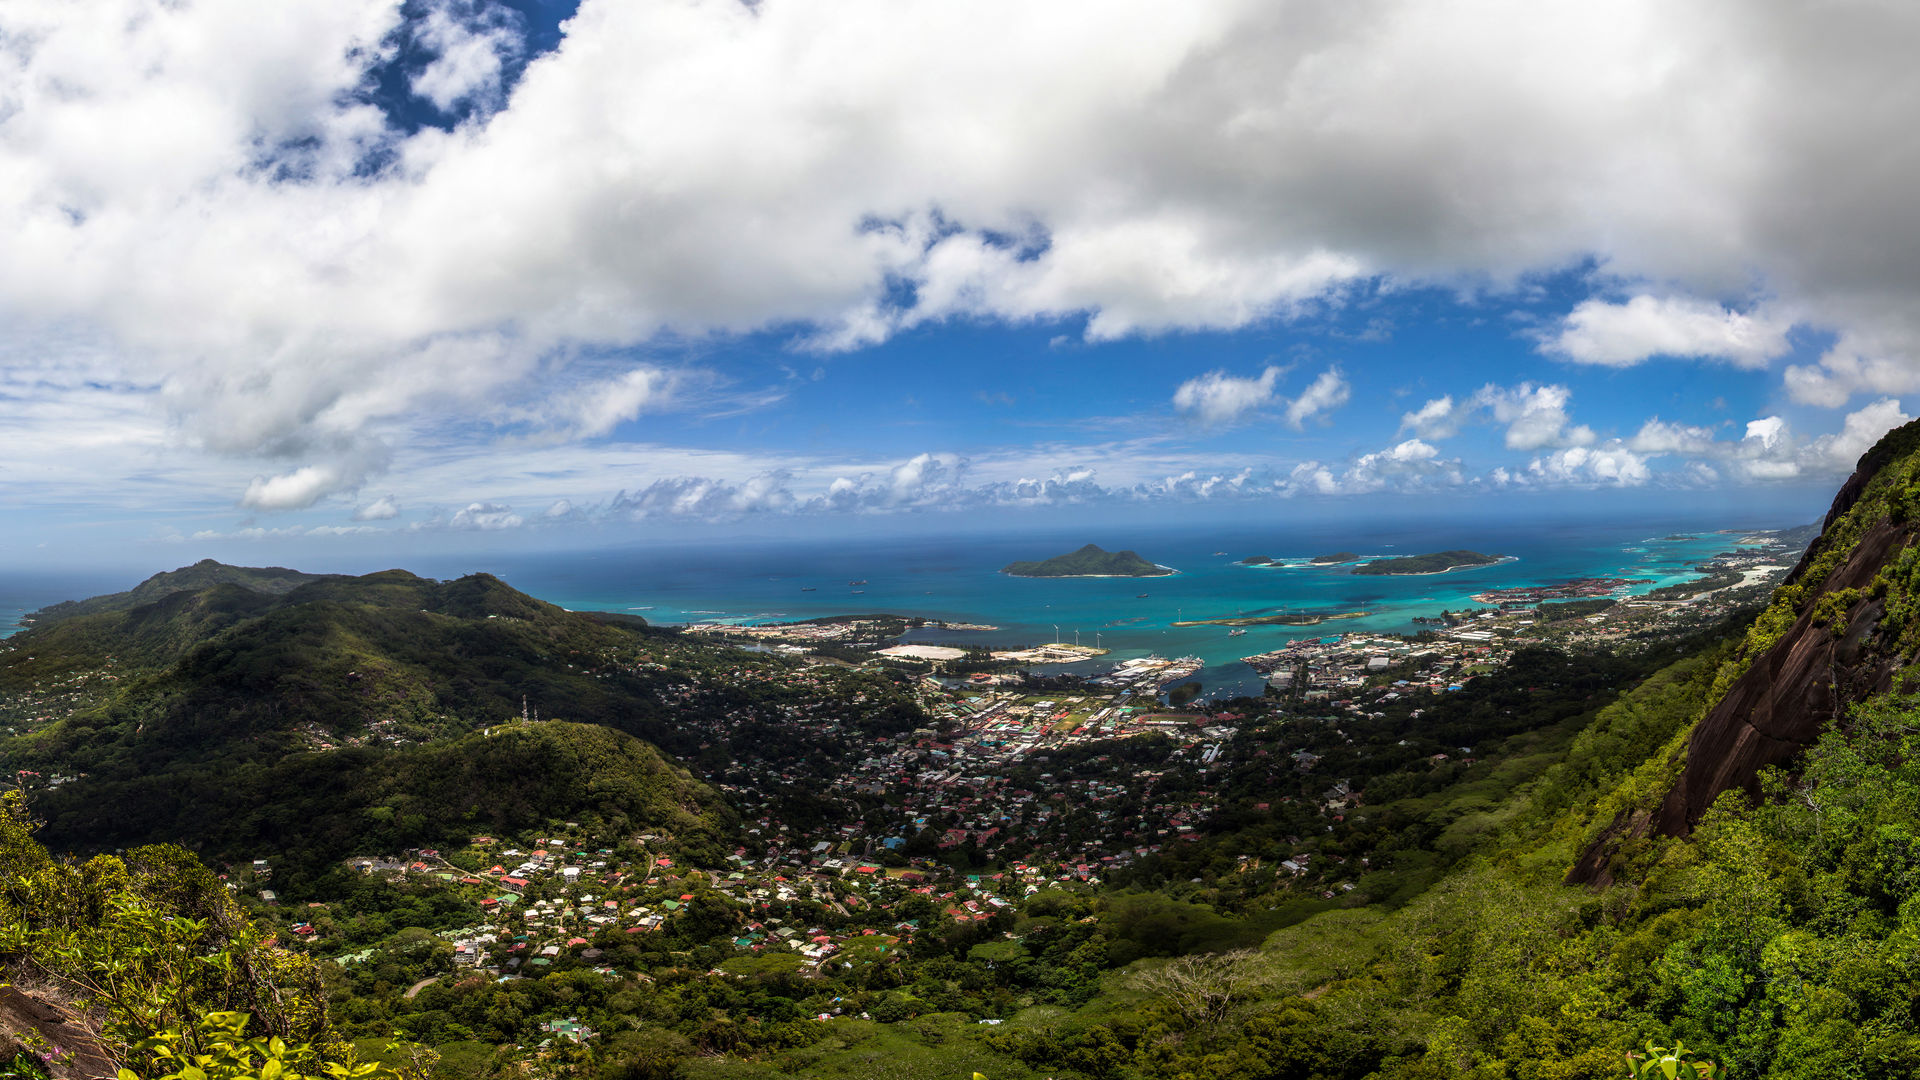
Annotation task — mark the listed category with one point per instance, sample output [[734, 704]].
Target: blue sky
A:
[[365, 277]]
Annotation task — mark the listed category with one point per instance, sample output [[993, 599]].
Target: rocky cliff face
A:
[[1836, 633]]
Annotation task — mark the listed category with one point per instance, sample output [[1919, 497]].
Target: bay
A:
[[958, 579]]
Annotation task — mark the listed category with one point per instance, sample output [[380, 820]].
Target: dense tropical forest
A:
[[388, 862]]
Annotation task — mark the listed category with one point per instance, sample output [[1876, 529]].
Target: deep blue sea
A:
[[959, 579]]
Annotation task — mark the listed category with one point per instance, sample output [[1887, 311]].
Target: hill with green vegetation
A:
[[1438, 562], [309, 810], [1089, 561], [1335, 558], [343, 712], [264, 580]]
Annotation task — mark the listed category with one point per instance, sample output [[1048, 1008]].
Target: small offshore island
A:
[[1089, 561], [1438, 562], [1291, 618], [1459, 560], [1318, 560]]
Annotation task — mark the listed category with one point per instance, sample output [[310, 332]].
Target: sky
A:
[[316, 277]]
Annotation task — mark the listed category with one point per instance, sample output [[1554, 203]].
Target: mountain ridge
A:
[[270, 580], [1836, 633]]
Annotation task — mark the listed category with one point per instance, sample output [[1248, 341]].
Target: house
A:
[[571, 1028]]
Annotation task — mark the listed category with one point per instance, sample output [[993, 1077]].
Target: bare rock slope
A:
[[1827, 642]]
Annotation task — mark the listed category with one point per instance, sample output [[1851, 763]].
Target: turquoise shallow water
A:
[[959, 579]]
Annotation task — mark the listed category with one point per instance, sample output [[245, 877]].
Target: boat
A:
[[859, 592], [1235, 633], [809, 588], [1142, 596], [856, 584]]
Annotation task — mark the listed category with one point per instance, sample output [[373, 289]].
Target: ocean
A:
[[958, 579]]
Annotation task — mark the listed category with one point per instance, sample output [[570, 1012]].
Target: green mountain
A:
[[1438, 562], [235, 718], [263, 580], [1089, 561], [1836, 637]]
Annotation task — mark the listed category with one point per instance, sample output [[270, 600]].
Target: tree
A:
[[1202, 988]]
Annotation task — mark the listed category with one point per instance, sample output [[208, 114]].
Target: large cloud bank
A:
[[204, 190]]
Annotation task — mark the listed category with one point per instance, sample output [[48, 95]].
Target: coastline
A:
[[946, 581]]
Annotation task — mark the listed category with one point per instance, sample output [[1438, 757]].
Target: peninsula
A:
[[1438, 562], [1089, 561]]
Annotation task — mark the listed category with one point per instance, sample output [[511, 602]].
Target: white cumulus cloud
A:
[[1536, 416], [1658, 437], [1220, 398], [291, 490], [471, 43], [1609, 464], [1327, 392], [1621, 335], [1861, 429], [1437, 419], [485, 517]]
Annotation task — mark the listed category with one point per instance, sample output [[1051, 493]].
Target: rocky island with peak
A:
[[1089, 561]]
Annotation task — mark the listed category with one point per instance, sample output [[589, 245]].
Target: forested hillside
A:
[[323, 715]]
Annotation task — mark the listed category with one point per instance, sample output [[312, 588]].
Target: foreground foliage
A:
[[179, 981]]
